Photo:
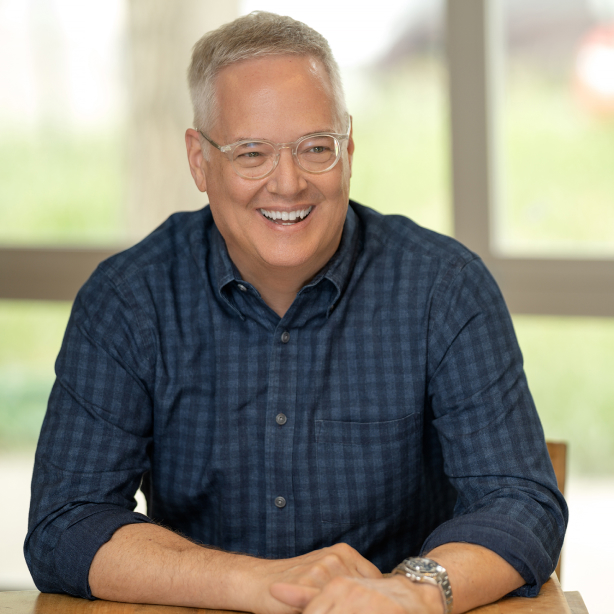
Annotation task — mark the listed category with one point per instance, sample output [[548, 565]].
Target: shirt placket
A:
[[279, 437]]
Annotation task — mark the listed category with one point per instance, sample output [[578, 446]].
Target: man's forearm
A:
[[145, 563], [477, 575]]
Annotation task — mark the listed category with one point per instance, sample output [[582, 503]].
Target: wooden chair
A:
[[558, 457]]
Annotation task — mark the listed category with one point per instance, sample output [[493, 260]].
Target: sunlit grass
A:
[[569, 364], [56, 188], [401, 134], [30, 338], [558, 172]]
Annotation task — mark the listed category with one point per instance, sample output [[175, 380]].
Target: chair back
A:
[[558, 457]]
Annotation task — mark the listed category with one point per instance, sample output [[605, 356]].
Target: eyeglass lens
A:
[[315, 154]]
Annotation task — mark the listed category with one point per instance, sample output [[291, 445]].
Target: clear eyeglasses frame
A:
[[256, 159]]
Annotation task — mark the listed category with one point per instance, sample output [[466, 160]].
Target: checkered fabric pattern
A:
[[387, 409]]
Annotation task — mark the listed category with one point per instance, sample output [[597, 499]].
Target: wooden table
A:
[[551, 600]]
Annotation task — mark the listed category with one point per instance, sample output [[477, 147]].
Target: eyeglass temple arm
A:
[[349, 126], [210, 141]]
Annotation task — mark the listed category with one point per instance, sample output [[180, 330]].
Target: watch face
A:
[[423, 565]]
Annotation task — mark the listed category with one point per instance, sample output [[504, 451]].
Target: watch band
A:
[[420, 569]]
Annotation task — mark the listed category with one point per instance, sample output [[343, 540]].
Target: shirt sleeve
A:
[[493, 443], [93, 447]]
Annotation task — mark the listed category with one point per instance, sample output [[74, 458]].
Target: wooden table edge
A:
[[551, 600]]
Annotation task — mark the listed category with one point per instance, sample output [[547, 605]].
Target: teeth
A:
[[286, 215]]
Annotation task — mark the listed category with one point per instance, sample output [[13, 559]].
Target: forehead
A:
[[272, 97]]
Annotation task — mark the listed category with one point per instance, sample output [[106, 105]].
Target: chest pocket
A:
[[367, 470]]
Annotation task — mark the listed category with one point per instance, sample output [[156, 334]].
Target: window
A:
[[62, 117], [564, 286], [390, 59], [557, 196]]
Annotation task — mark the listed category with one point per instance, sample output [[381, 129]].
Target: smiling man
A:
[[280, 204], [309, 393]]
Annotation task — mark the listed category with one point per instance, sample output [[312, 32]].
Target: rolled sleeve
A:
[[93, 447], [66, 568], [492, 439]]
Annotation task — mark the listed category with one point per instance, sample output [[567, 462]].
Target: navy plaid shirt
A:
[[387, 409]]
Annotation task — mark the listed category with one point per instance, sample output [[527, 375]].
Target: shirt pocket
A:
[[367, 470]]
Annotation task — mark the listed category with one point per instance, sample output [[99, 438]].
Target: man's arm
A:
[[145, 563], [477, 576], [93, 447]]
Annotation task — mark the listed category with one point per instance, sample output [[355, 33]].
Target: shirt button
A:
[[242, 287], [281, 419], [280, 502], [285, 337]]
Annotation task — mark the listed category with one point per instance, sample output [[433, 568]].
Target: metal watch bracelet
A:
[[427, 571]]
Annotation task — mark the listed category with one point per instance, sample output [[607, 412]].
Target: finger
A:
[[318, 575], [329, 566], [334, 598], [294, 595], [358, 566], [367, 569]]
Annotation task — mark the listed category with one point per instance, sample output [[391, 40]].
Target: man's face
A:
[[280, 99]]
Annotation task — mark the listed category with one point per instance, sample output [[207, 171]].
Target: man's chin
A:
[[292, 263]]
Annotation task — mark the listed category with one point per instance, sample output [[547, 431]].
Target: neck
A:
[[278, 286], [277, 296]]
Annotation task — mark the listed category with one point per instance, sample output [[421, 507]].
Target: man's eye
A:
[[251, 155], [252, 150], [321, 146]]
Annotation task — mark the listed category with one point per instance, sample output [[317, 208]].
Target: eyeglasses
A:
[[314, 153]]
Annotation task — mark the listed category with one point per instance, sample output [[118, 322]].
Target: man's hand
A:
[[145, 563], [343, 595], [305, 576], [477, 575]]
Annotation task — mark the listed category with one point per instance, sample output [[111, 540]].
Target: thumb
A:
[[294, 595]]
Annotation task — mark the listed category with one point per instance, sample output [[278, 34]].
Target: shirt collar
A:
[[338, 269]]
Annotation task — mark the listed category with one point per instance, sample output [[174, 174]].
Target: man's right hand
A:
[[145, 563], [314, 570]]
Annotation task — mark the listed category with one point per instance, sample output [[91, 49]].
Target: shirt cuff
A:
[[508, 538], [79, 543]]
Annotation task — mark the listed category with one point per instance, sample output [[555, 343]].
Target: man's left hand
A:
[[342, 595]]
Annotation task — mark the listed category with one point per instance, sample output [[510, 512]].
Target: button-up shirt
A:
[[388, 408]]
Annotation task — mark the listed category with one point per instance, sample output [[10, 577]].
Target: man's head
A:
[[257, 35], [273, 87]]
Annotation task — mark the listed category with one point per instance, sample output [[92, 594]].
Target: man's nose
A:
[[287, 179]]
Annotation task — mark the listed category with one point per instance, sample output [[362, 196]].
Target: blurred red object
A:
[[594, 71]]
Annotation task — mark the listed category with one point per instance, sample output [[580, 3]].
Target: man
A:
[[308, 390]]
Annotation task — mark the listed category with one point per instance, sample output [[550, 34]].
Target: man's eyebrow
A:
[[260, 138], [325, 131]]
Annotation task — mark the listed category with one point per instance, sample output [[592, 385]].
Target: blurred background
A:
[[93, 107]]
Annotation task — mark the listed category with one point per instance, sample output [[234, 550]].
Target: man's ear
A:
[[351, 145], [196, 158]]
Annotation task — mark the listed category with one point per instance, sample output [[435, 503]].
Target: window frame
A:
[[555, 286]]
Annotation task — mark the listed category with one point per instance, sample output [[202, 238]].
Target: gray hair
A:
[[259, 34]]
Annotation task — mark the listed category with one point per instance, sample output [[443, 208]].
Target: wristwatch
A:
[[419, 569]]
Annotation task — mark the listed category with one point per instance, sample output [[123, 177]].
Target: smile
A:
[[286, 218]]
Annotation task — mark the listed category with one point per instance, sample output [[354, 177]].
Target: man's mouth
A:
[[286, 218]]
